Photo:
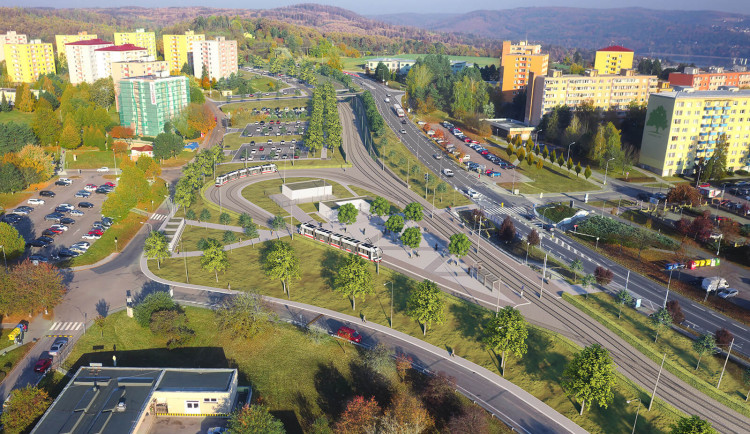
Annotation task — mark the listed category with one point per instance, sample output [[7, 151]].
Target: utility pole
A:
[[653, 394], [541, 282], [725, 363]]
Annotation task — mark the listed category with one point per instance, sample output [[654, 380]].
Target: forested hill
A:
[[706, 33]]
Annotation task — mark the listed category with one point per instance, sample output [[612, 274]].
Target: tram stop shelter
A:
[[307, 191], [329, 209]]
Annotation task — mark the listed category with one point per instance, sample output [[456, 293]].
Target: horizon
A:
[[390, 7]]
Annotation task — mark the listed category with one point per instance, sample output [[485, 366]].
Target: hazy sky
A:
[[394, 6]]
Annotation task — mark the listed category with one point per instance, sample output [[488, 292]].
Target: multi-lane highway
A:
[[698, 317]]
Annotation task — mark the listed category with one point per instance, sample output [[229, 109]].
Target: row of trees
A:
[[527, 152], [325, 125], [194, 176], [136, 186], [374, 119], [28, 165]]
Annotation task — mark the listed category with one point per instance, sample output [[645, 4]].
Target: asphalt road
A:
[[698, 317]]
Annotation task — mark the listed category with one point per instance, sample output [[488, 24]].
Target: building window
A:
[[209, 399]]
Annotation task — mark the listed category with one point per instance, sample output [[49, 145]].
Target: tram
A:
[[241, 173], [342, 242]]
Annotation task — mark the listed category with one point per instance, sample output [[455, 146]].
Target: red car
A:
[[96, 232], [110, 184], [485, 152], [261, 149], [349, 334], [42, 365], [296, 157], [55, 230], [467, 140]]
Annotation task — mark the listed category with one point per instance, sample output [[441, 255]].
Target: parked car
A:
[[91, 236], [38, 258], [47, 193], [85, 205], [22, 210], [76, 213], [50, 232], [728, 293], [110, 184], [67, 221], [90, 187], [61, 210], [103, 169], [42, 365], [12, 218], [60, 227], [103, 190], [57, 346], [55, 217], [61, 183], [35, 201], [349, 334], [83, 193]]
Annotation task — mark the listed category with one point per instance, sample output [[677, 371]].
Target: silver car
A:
[[57, 346]]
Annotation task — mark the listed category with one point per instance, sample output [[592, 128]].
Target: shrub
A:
[[723, 336], [603, 276], [612, 231], [153, 302], [674, 309]]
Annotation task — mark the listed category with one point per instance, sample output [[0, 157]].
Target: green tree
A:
[[746, 381], [692, 425], [22, 408], [459, 245], [167, 145], [156, 247], [587, 172], [380, 206], [224, 218], [281, 263], [411, 237], [706, 344], [214, 258], [380, 358], [250, 230], [414, 212], [205, 215], [244, 219], [154, 302], [70, 137], [576, 266], [11, 178], [623, 298], [229, 237], [244, 315], [506, 331], [12, 241], [277, 223], [569, 164], [347, 214], [382, 73], [588, 281], [426, 304], [395, 223], [354, 278], [590, 376], [660, 319], [254, 419], [190, 214], [441, 188], [46, 125], [578, 169]]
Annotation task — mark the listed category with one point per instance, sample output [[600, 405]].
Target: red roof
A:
[[616, 48], [125, 47], [90, 42], [142, 148]]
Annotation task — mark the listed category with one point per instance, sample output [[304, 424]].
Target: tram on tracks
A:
[[247, 171], [342, 242]]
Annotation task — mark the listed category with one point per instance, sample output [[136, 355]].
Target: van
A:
[[387, 100], [447, 172]]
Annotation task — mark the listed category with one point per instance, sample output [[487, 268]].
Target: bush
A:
[[153, 302], [723, 337], [674, 309], [612, 231], [173, 325], [603, 276], [556, 213]]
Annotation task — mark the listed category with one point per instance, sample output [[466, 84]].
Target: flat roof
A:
[[704, 94], [508, 123], [218, 380], [303, 185]]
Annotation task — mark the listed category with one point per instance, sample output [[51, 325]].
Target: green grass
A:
[[538, 372], [312, 163], [201, 202], [16, 116], [681, 360], [259, 193], [663, 185], [550, 179], [178, 160], [10, 200], [89, 159], [358, 63], [556, 212], [123, 230], [261, 83], [12, 357], [192, 234]]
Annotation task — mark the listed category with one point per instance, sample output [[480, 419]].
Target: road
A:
[[653, 295]]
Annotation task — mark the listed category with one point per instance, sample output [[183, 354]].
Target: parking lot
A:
[[272, 140], [32, 226]]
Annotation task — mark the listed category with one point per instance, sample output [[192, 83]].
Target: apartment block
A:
[[683, 127], [117, 53], [607, 92], [82, 60], [178, 49], [517, 63], [713, 79], [10, 37], [62, 40], [145, 66], [146, 103], [26, 62], [399, 66], [217, 57], [613, 59], [139, 38]]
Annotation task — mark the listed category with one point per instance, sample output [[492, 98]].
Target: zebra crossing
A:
[[69, 326], [158, 217]]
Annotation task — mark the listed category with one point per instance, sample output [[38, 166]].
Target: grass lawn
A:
[[538, 372], [556, 212], [681, 358], [550, 179], [358, 63], [9, 200], [88, 158], [192, 234], [179, 160], [259, 193], [303, 163], [611, 203], [201, 202], [123, 230], [272, 104], [262, 83], [9, 360], [16, 116]]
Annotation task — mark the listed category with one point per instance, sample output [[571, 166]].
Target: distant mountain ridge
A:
[[705, 33]]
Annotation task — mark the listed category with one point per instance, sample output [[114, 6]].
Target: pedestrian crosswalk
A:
[[508, 210], [158, 216], [69, 326]]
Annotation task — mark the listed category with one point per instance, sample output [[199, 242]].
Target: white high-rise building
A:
[[117, 53], [81, 56], [217, 57], [10, 38]]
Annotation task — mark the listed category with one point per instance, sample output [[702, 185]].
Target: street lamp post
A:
[[718, 243], [527, 253], [541, 282], [386, 283], [606, 169], [636, 412], [568, 158], [669, 282], [725, 363]]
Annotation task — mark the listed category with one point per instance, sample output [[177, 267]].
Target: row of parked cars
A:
[[45, 361]]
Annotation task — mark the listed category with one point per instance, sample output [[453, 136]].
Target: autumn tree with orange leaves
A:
[[201, 118], [360, 414]]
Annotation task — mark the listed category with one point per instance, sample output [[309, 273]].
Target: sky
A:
[[400, 6]]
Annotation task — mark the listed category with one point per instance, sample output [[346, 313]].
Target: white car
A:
[[61, 227], [103, 169], [82, 245], [403, 131], [35, 201], [66, 180], [91, 237], [76, 212], [472, 193], [437, 156], [67, 205]]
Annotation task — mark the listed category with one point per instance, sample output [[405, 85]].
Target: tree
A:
[[379, 358], [347, 214], [200, 117], [244, 315], [277, 223], [533, 238], [472, 420], [156, 247], [24, 98], [506, 331], [214, 258], [254, 419], [706, 344], [578, 169], [723, 337], [154, 302], [380, 206], [623, 298], [414, 212], [587, 172], [70, 137], [426, 304], [167, 145], [603, 275], [693, 424], [660, 319], [22, 408], [244, 219], [684, 194], [100, 322], [381, 72], [282, 264], [11, 178], [459, 245], [354, 279], [224, 218], [507, 230], [359, 416], [587, 281], [590, 376], [229, 237], [412, 237], [746, 381], [674, 309], [205, 215], [406, 414], [250, 230], [395, 224], [12, 241], [172, 325]]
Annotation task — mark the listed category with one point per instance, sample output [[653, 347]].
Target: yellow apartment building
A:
[[613, 59], [25, 62], [62, 40], [682, 129], [607, 92], [139, 38], [517, 63], [178, 49]]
